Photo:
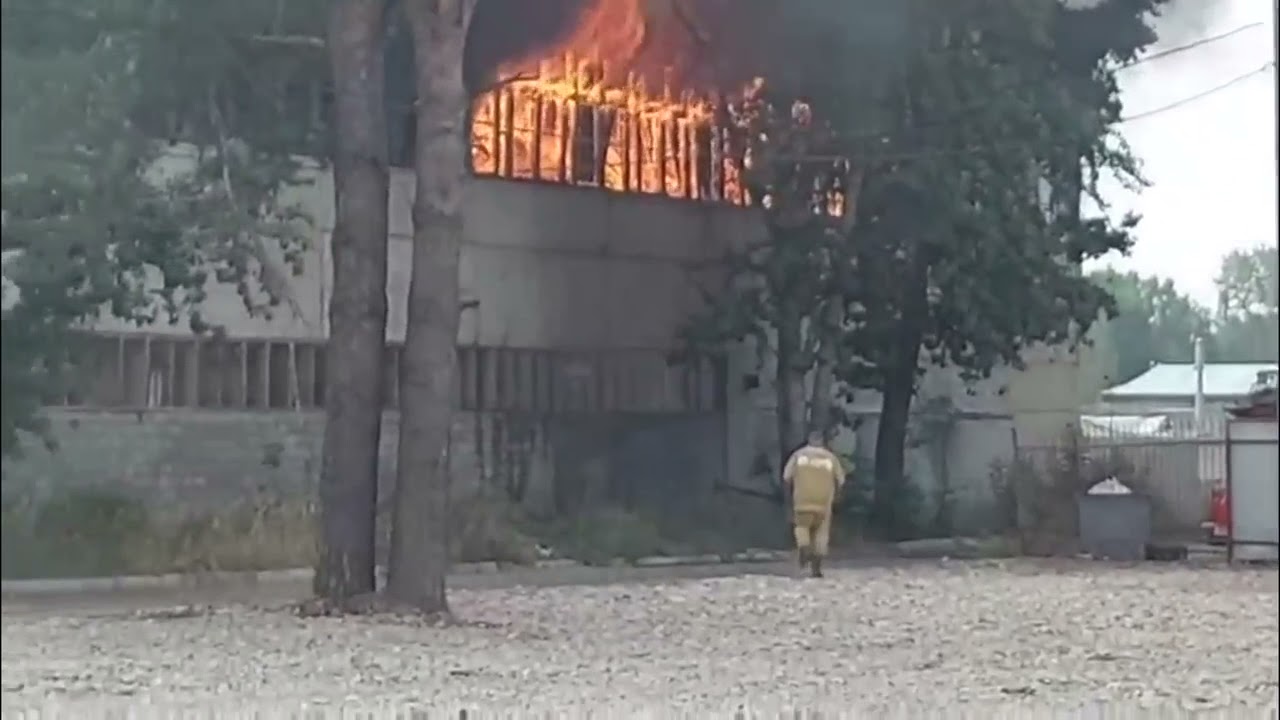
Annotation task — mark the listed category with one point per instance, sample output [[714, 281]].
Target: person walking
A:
[[813, 475]]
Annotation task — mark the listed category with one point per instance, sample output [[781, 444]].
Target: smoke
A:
[[694, 44], [1183, 21], [505, 30]]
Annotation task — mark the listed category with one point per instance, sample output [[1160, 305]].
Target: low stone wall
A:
[[181, 461], [181, 490]]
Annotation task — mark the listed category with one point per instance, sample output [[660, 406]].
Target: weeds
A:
[[93, 533], [1037, 494]]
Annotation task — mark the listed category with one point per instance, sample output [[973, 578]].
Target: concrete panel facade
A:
[[558, 268], [551, 266]]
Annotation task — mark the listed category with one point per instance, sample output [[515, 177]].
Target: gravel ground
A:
[[945, 635]]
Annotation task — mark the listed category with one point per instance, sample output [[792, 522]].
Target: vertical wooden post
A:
[[243, 400], [295, 388], [686, 157], [662, 154], [171, 359], [625, 116], [641, 123], [307, 376], [717, 129], [120, 371], [535, 162], [146, 371], [194, 381], [509, 133], [598, 145], [495, 134], [264, 376]]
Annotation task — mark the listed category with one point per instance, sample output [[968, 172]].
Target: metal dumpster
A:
[[1114, 521]]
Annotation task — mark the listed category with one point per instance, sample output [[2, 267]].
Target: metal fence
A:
[[1173, 460]]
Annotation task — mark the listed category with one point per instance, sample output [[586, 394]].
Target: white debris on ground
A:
[[946, 635]]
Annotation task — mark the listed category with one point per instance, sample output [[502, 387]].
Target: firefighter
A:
[[814, 475]]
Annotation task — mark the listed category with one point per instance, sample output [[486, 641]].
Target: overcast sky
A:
[[1211, 162]]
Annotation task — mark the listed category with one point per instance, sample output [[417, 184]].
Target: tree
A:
[[954, 253], [1248, 322], [783, 293], [1153, 322], [419, 535], [983, 261], [358, 304], [140, 161]]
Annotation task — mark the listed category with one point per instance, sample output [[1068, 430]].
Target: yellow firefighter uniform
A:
[[814, 475]]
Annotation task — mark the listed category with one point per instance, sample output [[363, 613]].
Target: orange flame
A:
[[582, 113]]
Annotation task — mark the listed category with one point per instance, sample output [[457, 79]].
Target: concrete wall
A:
[[564, 268], [1034, 406], [551, 266], [180, 461]]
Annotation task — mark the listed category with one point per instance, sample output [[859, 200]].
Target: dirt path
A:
[[281, 592]]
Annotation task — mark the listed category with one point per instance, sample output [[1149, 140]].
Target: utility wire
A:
[[1189, 46], [1200, 95], [960, 113]]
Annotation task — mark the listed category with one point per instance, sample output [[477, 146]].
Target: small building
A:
[[1171, 388], [1253, 469]]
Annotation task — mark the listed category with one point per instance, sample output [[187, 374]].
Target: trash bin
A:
[[1115, 522]]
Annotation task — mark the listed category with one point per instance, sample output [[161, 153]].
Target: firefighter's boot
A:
[[815, 566]]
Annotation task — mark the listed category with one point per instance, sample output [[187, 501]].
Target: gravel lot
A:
[[951, 635]]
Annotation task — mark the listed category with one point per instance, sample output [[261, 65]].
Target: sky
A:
[[1211, 162]]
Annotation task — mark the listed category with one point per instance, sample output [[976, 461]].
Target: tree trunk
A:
[[895, 410], [831, 317], [788, 386], [357, 305], [419, 533]]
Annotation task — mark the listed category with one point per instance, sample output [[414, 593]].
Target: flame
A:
[[583, 113]]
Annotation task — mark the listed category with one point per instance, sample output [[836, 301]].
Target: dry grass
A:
[[88, 533]]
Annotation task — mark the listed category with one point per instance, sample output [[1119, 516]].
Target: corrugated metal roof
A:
[[1179, 380]]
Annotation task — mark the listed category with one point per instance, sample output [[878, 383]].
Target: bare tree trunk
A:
[[789, 384], [357, 306], [895, 411], [829, 320], [831, 317], [419, 532]]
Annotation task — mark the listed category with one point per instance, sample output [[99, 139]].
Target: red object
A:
[[1219, 514]]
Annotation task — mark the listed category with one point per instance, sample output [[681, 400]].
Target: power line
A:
[[1200, 95], [961, 113], [1189, 46]]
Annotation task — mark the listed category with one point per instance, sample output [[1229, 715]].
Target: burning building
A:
[[573, 297], [617, 94]]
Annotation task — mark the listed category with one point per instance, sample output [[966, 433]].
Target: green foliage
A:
[[992, 120], [1156, 323], [605, 535], [1248, 322], [96, 533], [79, 534], [1153, 322], [144, 147]]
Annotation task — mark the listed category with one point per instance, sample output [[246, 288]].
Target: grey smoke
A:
[[1183, 21]]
